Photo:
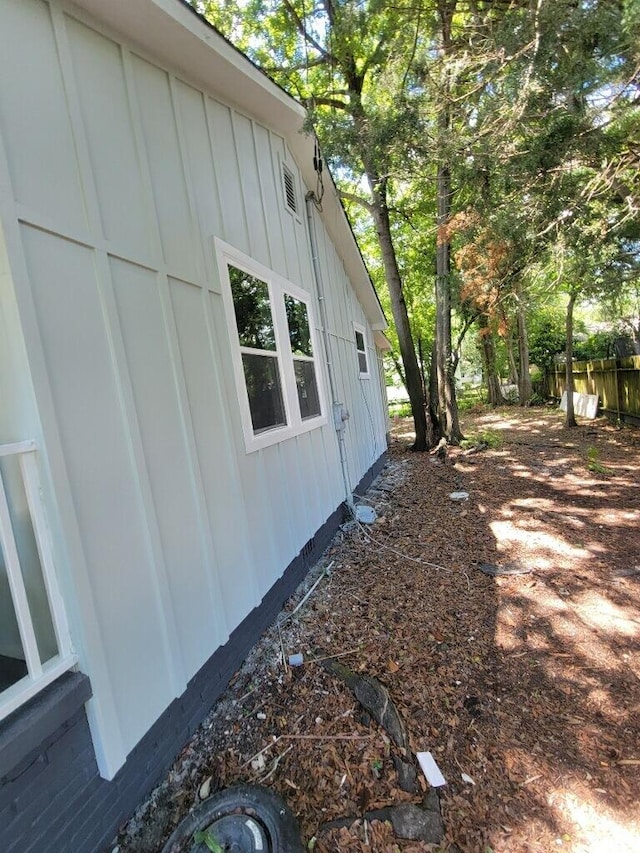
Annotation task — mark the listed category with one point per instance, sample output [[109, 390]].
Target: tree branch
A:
[[329, 102], [300, 26], [357, 199]]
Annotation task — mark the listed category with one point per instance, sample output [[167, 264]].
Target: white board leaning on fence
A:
[[584, 405]]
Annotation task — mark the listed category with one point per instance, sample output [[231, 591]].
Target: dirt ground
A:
[[528, 684]]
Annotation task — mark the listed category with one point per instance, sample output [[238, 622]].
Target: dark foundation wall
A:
[[52, 799]]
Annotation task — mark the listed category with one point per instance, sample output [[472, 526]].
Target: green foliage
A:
[[593, 462], [546, 336], [399, 410], [472, 399], [205, 837], [535, 112], [597, 345], [484, 438]]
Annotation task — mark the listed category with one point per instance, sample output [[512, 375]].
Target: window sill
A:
[[30, 725]]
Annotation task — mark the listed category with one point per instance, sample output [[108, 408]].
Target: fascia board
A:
[[171, 32]]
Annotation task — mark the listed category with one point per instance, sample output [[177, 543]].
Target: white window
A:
[[274, 349], [361, 350]]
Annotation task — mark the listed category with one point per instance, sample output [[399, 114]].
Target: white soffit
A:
[[171, 32], [381, 341]]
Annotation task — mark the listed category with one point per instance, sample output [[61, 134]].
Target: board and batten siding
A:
[[115, 176]]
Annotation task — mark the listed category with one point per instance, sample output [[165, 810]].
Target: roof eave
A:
[[173, 33]]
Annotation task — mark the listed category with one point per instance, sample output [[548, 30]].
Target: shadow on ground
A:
[[527, 684]]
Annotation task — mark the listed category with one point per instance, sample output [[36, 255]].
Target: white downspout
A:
[[340, 414]]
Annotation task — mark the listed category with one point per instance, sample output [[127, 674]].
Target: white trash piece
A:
[[365, 514], [296, 660], [430, 769], [459, 496]]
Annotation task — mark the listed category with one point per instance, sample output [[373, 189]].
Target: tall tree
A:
[[349, 63]]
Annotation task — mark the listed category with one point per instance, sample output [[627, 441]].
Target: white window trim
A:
[[357, 327], [278, 287]]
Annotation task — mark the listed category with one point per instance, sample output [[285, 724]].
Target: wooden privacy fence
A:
[[616, 381]]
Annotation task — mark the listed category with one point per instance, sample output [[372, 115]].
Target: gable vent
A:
[[290, 197]]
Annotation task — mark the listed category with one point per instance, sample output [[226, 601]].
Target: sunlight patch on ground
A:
[[596, 828], [603, 614], [542, 623], [507, 535]]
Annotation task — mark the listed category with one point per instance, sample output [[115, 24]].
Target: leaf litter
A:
[[526, 684]]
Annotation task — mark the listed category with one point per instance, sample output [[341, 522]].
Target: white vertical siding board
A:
[[157, 408], [254, 204], [149, 530], [295, 495], [194, 229], [287, 222], [201, 175], [158, 590], [95, 445], [270, 554], [278, 508], [228, 175], [271, 190], [253, 490], [308, 469], [37, 89], [164, 161], [104, 107], [213, 570], [214, 454], [328, 475]]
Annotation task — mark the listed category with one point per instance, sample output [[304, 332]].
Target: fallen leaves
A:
[[514, 696]]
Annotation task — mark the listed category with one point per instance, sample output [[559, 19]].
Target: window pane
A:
[[298, 320], [262, 378], [307, 389], [253, 310], [362, 362], [360, 342]]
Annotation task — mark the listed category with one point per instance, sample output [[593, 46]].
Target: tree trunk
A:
[[433, 393], [399, 371], [570, 419], [514, 378], [525, 389], [447, 405], [423, 427], [492, 379]]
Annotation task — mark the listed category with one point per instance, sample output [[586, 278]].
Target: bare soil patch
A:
[[529, 683]]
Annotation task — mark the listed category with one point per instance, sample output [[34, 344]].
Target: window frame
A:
[[359, 329], [278, 287]]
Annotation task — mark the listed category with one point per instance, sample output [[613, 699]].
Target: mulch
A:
[[527, 683]]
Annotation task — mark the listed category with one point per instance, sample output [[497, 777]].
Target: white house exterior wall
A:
[[115, 176]]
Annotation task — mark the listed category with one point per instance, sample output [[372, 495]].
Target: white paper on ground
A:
[[430, 769]]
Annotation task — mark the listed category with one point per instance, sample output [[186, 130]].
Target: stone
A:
[[407, 775], [409, 821], [412, 822]]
